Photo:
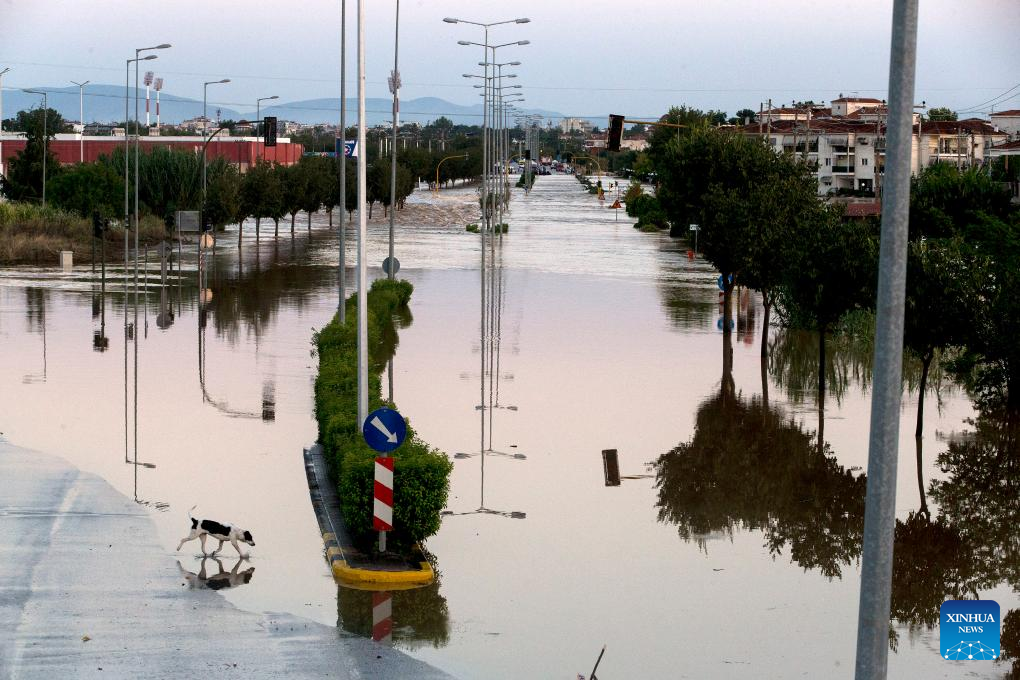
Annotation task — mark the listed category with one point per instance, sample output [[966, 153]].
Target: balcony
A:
[[842, 169]]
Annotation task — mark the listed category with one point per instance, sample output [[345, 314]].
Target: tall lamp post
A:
[[205, 131], [258, 120], [81, 117], [45, 139], [137, 58], [342, 245], [485, 182], [2, 120], [395, 89]]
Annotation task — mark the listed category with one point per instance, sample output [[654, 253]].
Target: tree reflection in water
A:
[[749, 466]]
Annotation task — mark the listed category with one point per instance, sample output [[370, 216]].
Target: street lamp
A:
[[258, 119], [45, 140], [205, 131], [2, 120], [81, 116], [137, 58]]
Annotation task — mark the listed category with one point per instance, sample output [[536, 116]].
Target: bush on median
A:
[[421, 473]]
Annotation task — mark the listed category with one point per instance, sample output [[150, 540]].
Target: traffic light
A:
[[527, 154], [615, 132], [97, 225], [269, 130], [207, 224]]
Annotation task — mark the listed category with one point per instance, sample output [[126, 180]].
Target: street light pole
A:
[[880, 508], [2, 120], [362, 229], [137, 135], [205, 130], [81, 115], [46, 138], [342, 245], [395, 89]]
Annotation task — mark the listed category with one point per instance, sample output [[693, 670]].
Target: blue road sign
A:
[[350, 148], [719, 282], [384, 429]]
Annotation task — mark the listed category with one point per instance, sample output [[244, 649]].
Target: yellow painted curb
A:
[[382, 579]]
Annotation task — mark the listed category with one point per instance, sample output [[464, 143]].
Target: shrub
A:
[[473, 228], [421, 473]]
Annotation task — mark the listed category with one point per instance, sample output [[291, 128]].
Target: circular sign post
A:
[[386, 266], [384, 429]]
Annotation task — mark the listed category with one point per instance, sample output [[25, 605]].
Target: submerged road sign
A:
[[384, 429], [386, 265]]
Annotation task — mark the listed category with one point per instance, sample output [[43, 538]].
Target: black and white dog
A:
[[200, 528]]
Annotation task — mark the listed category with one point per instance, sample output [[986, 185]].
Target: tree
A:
[[782, 198], [87, 188], [223, 194], [705, 178], [944, 200], [295, 185], [316, 170], [262, 193], [831, 271], [746, 115], [24, 180], [942, 279], [941, 113]]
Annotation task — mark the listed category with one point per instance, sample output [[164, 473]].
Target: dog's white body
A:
[[200, 528]]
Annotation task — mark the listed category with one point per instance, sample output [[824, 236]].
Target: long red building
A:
[[241, 151]]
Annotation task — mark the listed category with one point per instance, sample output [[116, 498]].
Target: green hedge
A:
[[421, 473]]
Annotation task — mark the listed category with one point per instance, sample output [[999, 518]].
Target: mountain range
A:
[[105, 104]]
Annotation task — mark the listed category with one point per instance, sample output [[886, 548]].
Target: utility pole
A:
[[362, 229], [81, 116], [395, 89], [2, 121], [883, 445], [341, 267]]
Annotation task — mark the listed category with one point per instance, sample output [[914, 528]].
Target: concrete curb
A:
[[340, 553]]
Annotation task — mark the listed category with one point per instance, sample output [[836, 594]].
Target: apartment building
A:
[[845, 144]]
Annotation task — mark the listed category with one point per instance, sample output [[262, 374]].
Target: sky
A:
[[586, 58]]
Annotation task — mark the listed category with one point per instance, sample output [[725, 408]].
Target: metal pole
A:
[[342, 268], [880, 509], [362, 229], [205, 134], [137, 140], [485, 227], [46, 145], [2, 120], [127, 229], [393, 153], [258, 120]]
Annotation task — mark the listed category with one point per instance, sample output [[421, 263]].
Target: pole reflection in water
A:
[[36, 299]]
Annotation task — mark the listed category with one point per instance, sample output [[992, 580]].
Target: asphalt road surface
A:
[[86, 591]]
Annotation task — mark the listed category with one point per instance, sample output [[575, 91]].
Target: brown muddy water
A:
[[730, 549]]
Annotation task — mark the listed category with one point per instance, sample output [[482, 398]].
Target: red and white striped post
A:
[[382, 617], [382, 515]]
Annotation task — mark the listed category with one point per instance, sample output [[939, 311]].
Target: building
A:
[[241, 151], [571, 125], [1008, 122], [846, 146]]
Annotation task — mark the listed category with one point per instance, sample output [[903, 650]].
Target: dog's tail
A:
[[194, 522]]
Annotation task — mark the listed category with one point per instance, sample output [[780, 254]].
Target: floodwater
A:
[[730, 549]]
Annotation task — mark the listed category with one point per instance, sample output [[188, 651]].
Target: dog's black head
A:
[[248, 539]]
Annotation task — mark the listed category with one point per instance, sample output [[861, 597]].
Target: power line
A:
[[992, 101]]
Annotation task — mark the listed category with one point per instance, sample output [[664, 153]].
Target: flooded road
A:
[[730, 549]]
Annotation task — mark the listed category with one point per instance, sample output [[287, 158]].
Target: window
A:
[[864, 161], [828, 161]]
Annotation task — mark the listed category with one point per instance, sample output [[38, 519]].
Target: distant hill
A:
[[105, 103]]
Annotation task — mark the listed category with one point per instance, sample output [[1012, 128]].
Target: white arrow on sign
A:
[[378, 424]]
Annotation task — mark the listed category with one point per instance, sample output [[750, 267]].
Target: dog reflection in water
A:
[[221, 581]]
